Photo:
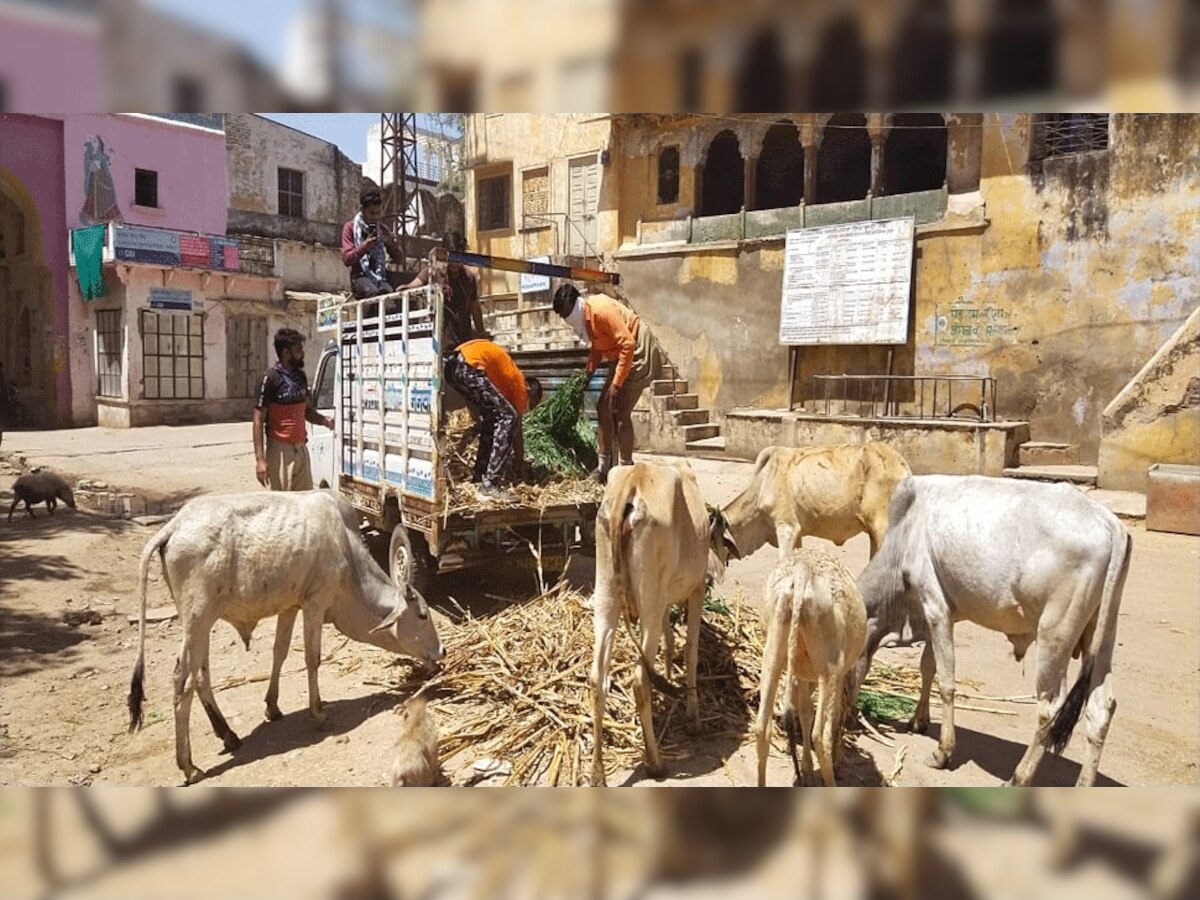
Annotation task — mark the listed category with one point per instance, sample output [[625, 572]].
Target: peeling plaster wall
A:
[[257, 149], [1084, 267], [1156, 418], [510, 143]]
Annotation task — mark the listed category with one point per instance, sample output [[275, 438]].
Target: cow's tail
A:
[[1097, 659], [137, 692], [627, 512]]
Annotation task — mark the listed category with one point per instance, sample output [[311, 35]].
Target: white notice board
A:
[[847, 284], [532, 283]]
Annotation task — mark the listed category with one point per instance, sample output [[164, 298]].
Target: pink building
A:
[[154, 349]]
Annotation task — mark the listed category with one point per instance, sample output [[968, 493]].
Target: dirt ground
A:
[[63, 716]]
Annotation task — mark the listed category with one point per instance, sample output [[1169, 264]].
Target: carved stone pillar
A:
[[875, 126]]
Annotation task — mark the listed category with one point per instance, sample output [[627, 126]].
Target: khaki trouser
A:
[[644, 366], [288, 468]]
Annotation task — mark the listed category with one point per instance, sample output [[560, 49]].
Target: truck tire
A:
[[409, 561]]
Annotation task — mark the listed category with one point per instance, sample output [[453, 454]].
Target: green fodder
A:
[[882, 706], [558, 437]]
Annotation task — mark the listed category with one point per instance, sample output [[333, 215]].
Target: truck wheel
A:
[[410, 562]]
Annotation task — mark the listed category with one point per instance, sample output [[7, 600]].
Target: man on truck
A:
[[366, 244], [486, 376], [282, 408], [617, 336]]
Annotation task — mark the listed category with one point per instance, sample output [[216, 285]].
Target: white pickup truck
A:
[[381, 381]]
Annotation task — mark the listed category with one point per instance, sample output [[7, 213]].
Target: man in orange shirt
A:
[[281, 409], [489, 380], [617, 336]]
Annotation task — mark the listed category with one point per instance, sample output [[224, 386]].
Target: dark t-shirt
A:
[[461, 293], [284, 395]]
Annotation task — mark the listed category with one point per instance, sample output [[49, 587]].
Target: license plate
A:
[[527, 561]]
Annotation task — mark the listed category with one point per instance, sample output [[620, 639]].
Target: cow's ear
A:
[[716, 568], [731, 545]]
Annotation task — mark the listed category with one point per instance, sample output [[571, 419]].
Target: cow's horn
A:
[[422, 605], [391, 619]]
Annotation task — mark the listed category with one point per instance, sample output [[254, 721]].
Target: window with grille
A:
[[493, 202], [535, 197], [668, 175], [1064, 134], [291, 193], [110, 347], [145, 188], [172, 356], [188, 94]]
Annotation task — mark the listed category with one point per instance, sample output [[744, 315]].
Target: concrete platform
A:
[[1074, 474], [949, 446], [1124, 504]]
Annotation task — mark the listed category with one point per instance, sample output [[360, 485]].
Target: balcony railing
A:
[[748, 225]]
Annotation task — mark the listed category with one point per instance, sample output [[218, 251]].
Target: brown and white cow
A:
[[656, 545], [827, 492], [816, 629]]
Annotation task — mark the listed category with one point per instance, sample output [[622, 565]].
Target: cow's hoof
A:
[[193, 775], [658, 773], [937, 760], [273, 714], [233, 743], [918, 726], [322, 724]]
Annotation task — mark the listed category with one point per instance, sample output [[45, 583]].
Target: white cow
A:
[[243, 558], [656, 545], [816, 629], [1033, 561]]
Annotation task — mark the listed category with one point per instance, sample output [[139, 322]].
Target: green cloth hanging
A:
[[88, 245]]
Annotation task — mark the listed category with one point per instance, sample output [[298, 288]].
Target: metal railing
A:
[[877, 393]]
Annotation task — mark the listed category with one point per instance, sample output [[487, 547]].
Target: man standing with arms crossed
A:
[[281, 409]]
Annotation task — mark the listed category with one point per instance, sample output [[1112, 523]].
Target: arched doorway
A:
[[839, 78], [723, 186], [1020, 49], [914, 157], [922, 66], [26, 312], [779, 179], [844, 160], [763, 79]]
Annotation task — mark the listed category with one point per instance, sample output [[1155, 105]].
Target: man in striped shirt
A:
[[281, 409]]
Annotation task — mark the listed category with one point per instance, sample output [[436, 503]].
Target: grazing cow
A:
[[243, 558], [1033, 561], [416, 758], [36, 487], [816, 628], [827, 492], [656, 545]]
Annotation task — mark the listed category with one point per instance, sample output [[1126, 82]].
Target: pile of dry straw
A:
[[533, 490], [515, 687]]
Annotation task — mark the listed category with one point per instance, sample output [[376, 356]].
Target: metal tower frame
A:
[[398, 169]]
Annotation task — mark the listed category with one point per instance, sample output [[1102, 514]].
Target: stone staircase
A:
[[675, 422], [1050, 461]]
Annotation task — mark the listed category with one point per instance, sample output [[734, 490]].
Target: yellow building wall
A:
[[1071, 274], [516, 142]]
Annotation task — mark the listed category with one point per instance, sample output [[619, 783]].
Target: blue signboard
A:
[[170, 298], [146, 245]]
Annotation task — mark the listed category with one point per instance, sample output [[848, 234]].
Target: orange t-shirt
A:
[[612, 328], [491, 359]]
